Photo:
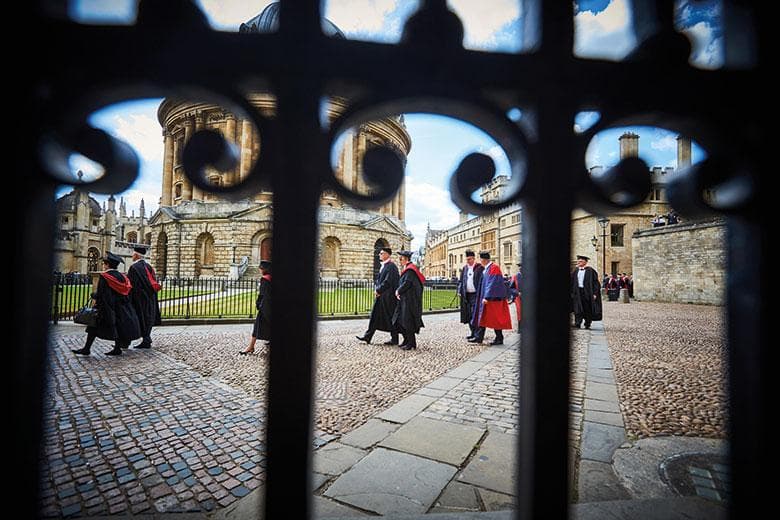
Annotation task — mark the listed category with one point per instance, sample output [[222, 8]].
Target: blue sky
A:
[[602, 31]]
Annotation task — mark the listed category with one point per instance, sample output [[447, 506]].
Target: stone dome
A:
[[67, 204], [268, 21]]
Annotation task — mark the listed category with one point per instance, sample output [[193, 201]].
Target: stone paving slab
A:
[[601, 406], [457, 497], [689, 508], [598, 482], [405, 409], [325, 508], [493, 466], [335, 458], [494, 501], [386, 482], [601, 391], [610, 418], [465, 370], [370, 433], [437, 440], [444, 383], [599, 441]]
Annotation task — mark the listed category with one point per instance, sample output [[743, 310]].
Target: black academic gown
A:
[[144, 297], [117, 320], [592, 288], [262, 327], [384, 306], [408, 313], [466, 307]]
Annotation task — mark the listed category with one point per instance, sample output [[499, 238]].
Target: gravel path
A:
[[354, 380], [670, 367]]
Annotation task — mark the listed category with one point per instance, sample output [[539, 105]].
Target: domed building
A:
[[199, 234]]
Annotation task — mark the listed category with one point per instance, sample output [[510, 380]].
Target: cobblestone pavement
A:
[[180, 427], [489, 398], [142, 432], [670, 367]]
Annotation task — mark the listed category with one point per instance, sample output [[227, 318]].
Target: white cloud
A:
[[228, 15], [367, 18], [141, 131], [484, 20], [707, 50], [607, 34], [663, 142], [426, 203]]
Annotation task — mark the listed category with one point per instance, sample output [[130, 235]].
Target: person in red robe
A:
[[515, 295], [492, 309]]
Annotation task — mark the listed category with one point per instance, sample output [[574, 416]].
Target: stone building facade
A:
[[681, 263], [86, 231], [500, 232], [199, 234]]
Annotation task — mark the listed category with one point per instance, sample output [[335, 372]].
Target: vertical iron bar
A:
[[544, 367]]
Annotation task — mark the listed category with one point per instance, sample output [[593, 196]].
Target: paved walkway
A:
[[144, 433]]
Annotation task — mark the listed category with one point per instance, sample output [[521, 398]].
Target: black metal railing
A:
[[221, 298]]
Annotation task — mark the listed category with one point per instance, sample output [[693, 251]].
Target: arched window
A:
[[266, 249], [132, 237], [177, 191], [161, 255], [93, 255], [331, 250], [204, 253]]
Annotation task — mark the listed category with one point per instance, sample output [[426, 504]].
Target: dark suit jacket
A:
[[384, 306]]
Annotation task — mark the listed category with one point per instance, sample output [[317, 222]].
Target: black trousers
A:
[[586, 305], [471, 298], [370, 334]]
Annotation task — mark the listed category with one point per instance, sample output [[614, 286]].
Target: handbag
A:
[[87, 315]]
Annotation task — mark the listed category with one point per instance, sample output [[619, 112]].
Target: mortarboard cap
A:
[[407, 254], [140, 249], [265, 264], [583, 257], [469, 253], [113, 260], [484, 254]]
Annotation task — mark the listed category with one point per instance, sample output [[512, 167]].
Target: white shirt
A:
[[470, 279], [581, 277]]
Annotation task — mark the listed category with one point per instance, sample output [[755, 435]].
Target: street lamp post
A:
[[603, 222]]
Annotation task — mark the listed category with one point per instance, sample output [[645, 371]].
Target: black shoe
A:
[[475, 340], [576, 326], [587, 325], [408, 347], [246, 352], [84, 351], [143, 345], [363, 338], [469, 338], [497, 342], [116, 351], [390, 343]]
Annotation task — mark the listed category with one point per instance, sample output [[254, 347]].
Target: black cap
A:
[[485, 255], [141, 249], [469, 253], [113, 260], [407, 254], [583, 257], [519, 264], [265, 265], [386, 250]]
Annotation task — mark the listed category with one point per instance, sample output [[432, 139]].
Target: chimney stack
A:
[[629, 145], [683, 152]]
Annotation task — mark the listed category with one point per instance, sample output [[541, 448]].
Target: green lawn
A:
[[241, 304]]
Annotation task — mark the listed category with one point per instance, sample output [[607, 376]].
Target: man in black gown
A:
[[384, 300], [408, 314], [585, 293], [144, 295]]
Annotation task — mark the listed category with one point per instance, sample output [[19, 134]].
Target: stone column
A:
[[167, 177], [186, 186], [348, 162], [197, 193], [683, 152], [629, 145], [358, 158], [402, 201], [246, 149], [230, 136]]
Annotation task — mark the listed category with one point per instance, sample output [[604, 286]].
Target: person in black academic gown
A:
[[144, 295], [585, 293], [384, 300], [470, 277], [116, 317], [262, 326], [407, 318]]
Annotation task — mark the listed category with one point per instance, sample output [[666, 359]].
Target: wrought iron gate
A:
[[171, 49]]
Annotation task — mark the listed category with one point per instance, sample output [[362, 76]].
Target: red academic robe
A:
[[495, 313]]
